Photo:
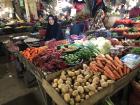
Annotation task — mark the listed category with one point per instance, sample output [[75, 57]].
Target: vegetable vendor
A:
[[53, 29]]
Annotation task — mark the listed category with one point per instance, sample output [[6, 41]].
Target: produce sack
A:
[[131, 60]]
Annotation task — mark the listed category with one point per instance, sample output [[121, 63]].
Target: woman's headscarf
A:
[[53, 31]]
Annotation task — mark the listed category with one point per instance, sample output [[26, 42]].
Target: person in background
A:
[[122, 11], [53, 29], [96, 5]]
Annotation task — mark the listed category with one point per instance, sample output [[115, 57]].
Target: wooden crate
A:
[[109, 91], [30, 67]]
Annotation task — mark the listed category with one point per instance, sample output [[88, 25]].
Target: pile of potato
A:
[[75, 86]]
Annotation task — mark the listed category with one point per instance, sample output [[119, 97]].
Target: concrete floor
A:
[[13, 91]]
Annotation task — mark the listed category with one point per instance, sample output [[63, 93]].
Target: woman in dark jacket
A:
[[53, 29]]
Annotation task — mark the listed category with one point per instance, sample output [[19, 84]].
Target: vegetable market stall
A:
[[44, 82]]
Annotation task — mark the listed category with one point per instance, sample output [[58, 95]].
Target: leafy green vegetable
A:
[[135, 50], [133, 30]]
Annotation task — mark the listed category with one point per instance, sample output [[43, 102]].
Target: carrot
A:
[[106, 73], [108, 61], [99, 63], [109, 57], [93, 67], [109, 72], [99, 69], [111, 63], [109, 66], [116, 74], [127, 70], [120, 72], [118, 60], [117, 64]]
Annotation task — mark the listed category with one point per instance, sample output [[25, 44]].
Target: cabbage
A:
[[102, 44]]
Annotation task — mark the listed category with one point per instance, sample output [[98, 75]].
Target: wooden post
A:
[[27, 10], [30, 7]]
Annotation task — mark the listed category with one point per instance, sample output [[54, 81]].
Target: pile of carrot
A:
[[30, 53], [112, 67]]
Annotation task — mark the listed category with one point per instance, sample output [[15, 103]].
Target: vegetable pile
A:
[[67, 48], [85, 53], [71, 59], [101, 43], [88, 52], [77, 85], [124, 21], [113, 68], [31, 53], [53, 43], [49, 60]]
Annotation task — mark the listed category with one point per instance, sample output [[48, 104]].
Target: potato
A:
[[96, 80], [73, 70], [86, 89], [63, 73], [74, 77], [63, 77], [80, 89], [55, 80], [75, 93], [87, 77], [91, 87], [71, 101], [69, 79], [84, 80], [72, 86], [102, 80], [80, 76], [57, 89], [75, 87], [67, 97], [64, 89], [90, 80], [71, 73], [70, 91], [77, 72], [59, 86], [87, 83], [87, 96], [82, 96], [83, 84], [60, 81], [91, 93], [77, 98], [86, 73], [54, 85], [77, 83], [85, 66], [110, 81], [80, 80], [68, 82], [104, 84], [82, 71], [104, 77], [69, 86]]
